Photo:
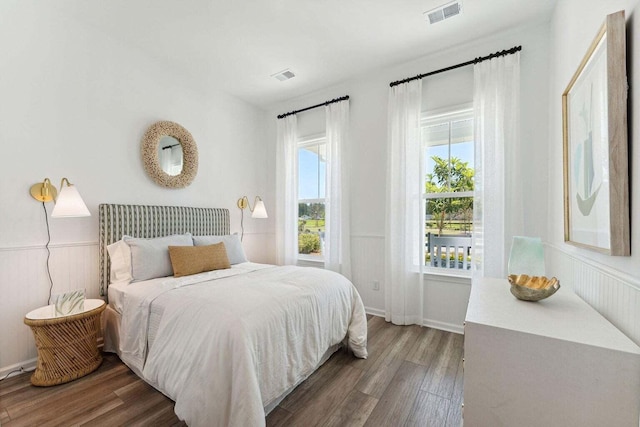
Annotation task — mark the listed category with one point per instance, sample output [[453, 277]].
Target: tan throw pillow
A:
[[187, 260]]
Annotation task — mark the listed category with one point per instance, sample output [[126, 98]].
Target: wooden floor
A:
[[111, 396], [413, 377]]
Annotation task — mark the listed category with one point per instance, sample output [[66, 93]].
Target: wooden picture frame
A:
[[594, 122]]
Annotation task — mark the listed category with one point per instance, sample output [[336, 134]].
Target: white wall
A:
[[445, 299], [610, 284], [75, 104]]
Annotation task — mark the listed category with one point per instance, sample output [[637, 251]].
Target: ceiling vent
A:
[[284, 75], [443, 12]]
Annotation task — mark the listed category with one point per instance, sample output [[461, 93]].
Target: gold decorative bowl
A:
[[532, 288]]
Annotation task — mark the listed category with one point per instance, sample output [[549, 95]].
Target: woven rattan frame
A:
[[150, 143], [67, 347], [154, 221]]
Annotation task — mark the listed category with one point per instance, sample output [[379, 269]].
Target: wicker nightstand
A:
[[67, 345]]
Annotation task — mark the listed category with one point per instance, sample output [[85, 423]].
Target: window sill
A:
[[454, 279], [310, 261], [443, 272]]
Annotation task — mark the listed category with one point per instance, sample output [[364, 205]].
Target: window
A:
[[449, 177], [311, 198]]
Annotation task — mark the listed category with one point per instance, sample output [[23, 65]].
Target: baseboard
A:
[[443, 326], [18, 368], [30, 365], [374, 311]]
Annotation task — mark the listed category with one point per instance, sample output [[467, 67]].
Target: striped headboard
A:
[[154, 221]]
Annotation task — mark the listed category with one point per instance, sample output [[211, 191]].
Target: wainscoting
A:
[[24, 286], [445, 297], [367, 267], [612, 293]]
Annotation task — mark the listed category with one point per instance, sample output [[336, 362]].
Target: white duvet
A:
[[231, 341]]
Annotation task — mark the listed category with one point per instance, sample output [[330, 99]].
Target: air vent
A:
[[284, 75], [444, 12]]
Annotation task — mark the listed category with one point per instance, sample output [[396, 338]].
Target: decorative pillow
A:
[[187, 260], [120, 256], [150, 257], [235, 252]]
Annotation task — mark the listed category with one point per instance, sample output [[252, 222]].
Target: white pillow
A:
[[150, 257], [120, 256], [232, 243]]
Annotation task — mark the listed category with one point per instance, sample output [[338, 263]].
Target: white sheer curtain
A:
[[498, 206], [404, 236], [287, 191], [337, 249]]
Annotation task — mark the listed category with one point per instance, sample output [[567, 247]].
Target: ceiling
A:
[[236, 45]]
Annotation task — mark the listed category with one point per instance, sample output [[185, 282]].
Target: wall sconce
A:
[[67, 204], [258, 210]]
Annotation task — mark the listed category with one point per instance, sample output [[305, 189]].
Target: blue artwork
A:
[[584, 168]]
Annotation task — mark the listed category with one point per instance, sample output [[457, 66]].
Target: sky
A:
[[311, 175]]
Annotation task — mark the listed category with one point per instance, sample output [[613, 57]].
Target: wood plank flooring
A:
[[413, 377]]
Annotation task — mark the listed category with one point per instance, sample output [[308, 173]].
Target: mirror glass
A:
[[170, 155]]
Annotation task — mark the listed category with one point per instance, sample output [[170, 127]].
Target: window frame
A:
[[307, 141], [431, 118]]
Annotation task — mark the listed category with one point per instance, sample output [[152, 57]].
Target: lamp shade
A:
[[259, 211], [69, 203]]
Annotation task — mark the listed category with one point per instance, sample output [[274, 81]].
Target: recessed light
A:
[[283, 75], [443, 12]]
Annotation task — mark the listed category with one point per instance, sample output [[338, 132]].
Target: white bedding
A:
[[230, 342], [116, 293]]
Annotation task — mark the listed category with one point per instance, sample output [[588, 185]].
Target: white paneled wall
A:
[[445, 297], [24, 285], [367, 267], [612, 293]]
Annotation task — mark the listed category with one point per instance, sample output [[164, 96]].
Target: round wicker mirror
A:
[[151, 159]]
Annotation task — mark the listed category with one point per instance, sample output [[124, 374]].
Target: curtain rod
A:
[[463, 64], [342, 98]]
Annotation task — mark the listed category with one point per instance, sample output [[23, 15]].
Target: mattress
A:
[[111, 334], [227, 344], [117, 293]]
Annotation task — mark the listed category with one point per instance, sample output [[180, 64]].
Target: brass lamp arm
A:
[[243, 203], [44, 191]]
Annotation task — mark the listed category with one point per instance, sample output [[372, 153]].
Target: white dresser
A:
[[555, 362]]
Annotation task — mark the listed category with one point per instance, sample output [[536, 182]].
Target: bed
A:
[[227, 344]]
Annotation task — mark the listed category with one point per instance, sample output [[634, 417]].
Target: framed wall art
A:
[[594, 121]]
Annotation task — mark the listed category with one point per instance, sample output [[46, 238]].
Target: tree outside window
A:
[[448, 176]]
